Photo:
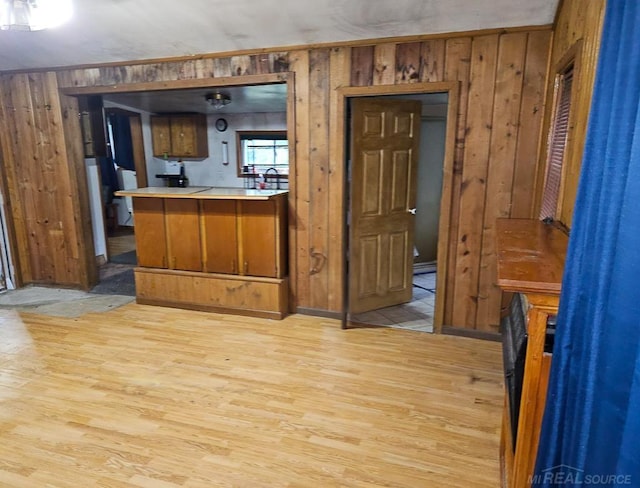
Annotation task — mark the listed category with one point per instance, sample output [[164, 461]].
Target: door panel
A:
[[258, 238], [398, 260], [384, 152], [220, 236], [401, 171], [151, 245], [183, 232]]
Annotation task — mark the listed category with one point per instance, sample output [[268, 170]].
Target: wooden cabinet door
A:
[[189, 136], [183, 234], [183, 136], [257, 228], [151, 243], [220, 238], [161, 135]]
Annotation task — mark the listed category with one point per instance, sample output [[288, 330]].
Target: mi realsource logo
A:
[[568, 475]]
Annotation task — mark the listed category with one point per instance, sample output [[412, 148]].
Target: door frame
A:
[[452, 88]]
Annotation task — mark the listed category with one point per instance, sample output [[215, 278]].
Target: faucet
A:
[[275, 171]]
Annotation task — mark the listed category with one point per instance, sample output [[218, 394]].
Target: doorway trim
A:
[[452, 88]]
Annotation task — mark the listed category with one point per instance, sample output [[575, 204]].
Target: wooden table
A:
[[531, 256]]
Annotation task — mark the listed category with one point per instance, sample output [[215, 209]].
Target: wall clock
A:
[[221, 125]]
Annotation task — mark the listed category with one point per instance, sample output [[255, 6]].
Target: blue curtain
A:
[[123, 145], [591, 429]]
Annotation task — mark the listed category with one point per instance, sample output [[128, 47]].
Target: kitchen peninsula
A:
[[212, 249]]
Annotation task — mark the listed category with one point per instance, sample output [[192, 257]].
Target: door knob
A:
[[412, 211]]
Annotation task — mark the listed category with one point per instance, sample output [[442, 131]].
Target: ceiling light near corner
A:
[[32, 15], [218, 100]]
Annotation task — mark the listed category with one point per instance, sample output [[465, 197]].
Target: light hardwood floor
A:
[[153, 397]]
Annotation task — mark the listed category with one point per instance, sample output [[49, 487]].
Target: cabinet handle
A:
[[233, 266], [246, 267]]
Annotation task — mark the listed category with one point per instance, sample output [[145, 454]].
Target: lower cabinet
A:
[[151, 236], [183, 234], [235, 249], [245, 237], [220, 236]]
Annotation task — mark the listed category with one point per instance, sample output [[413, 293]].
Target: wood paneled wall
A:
[[578, 23], [45, 179], [502, 82], [502, 78]]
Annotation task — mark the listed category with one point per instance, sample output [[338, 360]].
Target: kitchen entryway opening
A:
[[246, 145]]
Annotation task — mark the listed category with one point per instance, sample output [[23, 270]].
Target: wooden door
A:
[[151, 243], [257, 238], [220, 239], [161, 135], [384, 158], [183, 234]]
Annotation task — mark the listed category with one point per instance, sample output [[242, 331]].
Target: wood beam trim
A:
[[243, 80]]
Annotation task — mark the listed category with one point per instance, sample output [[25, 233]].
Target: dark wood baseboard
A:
[[315, 312], [263, 314], [471, 333]]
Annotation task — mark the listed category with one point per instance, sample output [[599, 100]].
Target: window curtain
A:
[[122, 143], [591, 426]]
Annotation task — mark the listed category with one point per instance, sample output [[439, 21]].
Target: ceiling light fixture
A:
[[218, 100], [32, 15]]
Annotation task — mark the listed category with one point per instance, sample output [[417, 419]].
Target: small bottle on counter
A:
[[183, 181]]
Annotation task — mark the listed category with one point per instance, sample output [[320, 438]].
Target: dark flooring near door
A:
[[416, 315], [115, 279]]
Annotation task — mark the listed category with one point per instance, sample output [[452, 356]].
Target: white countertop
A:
[[201, 192]]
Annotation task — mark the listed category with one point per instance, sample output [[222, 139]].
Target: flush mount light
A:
[[218, 100], [32, 15]]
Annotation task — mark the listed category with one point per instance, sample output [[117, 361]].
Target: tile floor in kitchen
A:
[[415, 315]]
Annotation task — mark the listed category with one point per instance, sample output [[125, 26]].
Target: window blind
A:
[[557, 145]]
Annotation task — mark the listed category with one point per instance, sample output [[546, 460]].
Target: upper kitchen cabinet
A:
[[180, 135]]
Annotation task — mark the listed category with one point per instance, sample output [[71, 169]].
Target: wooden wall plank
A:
[[300, 65], [241, 65], [362, 65], [319, 177], [502, 154], [531, 112], [222, 67], [339, 74], [14, 204], [408, 62], [474, 177], [384, 64], [432, 59], [457, 68], [203, 68]]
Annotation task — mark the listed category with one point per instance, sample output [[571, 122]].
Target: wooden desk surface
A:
[[531, 256]]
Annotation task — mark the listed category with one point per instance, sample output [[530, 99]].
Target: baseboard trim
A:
[[199, 307], [471, 333], [316, 312]]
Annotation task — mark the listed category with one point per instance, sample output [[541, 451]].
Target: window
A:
[[259, 151], [557, 144]]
